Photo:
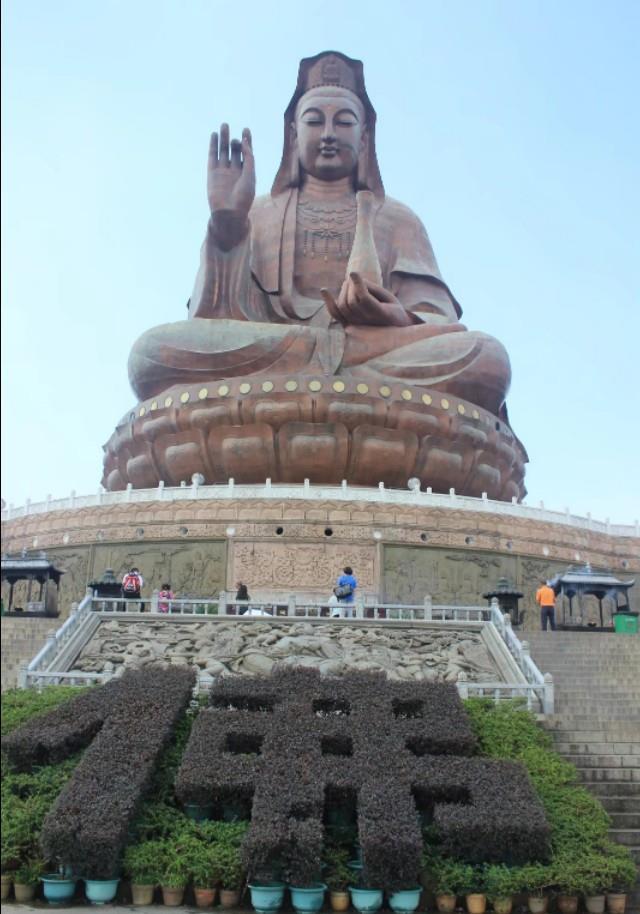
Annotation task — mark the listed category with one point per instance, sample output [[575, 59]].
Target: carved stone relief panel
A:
[[300, 566], [76, 563], [450, 576], [195, 569]]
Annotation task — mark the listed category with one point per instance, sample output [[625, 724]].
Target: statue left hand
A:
[[364, 303]]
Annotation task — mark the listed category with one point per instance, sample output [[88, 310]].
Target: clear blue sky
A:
[[511, 128]]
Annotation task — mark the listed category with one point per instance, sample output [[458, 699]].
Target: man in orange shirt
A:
[[546, 598]]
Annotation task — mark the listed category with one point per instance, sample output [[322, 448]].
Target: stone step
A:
[[614, 735], [612, 788], [610, 774], [596, 748], [630, 837], [625, 821], [604, 761], [617, 805], [595, 722]]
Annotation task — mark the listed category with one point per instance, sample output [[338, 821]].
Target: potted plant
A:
[[201, 860], [59, 887], [142, 864], [26, 880], [536, 879], [101, 891], [6, 880], [365, 898], [623, 875], [231, 874], [501, 884], [267, 889], [338, 876], [405, 901], [174, 876], [307, 889], [473, 889], [569, 882]]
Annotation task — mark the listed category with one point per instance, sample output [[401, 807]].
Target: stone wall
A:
[[283, 545], [21, 641]]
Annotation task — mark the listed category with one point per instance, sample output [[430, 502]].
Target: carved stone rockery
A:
[[321, 341], [236, 648]]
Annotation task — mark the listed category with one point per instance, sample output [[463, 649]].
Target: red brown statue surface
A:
[[322, 342]]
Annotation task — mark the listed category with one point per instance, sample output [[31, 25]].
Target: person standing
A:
[[165, 596], [345, 590], [242, 593], [546, 599], [132, 584]]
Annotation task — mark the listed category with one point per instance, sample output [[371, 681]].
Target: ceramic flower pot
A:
[[204, 897], [57, 890], [594, 904], [476, 903], [101, 891], [405, 901], [339, 901], [616, 902], [446, 904], [502, 905], [172, 896], [538, 904], [567, 904], [267, 897], [142, 894], [366, 901], [198, 813], [308, 899], [229, 898], [24, 893], [5, 884]]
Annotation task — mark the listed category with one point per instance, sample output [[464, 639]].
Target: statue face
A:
[[329, 126]]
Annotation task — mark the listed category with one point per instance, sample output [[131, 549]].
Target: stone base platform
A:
[[295, 539], [322, 429]]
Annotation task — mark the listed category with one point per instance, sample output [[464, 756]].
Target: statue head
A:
[[329, 126]]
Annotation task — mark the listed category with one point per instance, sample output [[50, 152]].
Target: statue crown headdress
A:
[[331, 68]]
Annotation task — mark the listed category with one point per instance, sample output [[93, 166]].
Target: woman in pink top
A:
[[165, 595]]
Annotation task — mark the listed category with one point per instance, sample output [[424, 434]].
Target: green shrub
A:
[[20, 705], [142, 862]]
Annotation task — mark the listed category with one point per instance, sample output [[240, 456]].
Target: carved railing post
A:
[[222, 603], [154, 601], [291, 605], [428, 608], [548, 700], [463, 688]]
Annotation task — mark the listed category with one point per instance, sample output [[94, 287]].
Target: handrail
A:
[[343, 492]]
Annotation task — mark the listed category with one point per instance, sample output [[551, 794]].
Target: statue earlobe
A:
[[362, 173], [294, 174]]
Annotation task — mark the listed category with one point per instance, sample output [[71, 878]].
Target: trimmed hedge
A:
[[293, 741], [130, 721]]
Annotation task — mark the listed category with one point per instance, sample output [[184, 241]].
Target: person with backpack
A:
[[132, 584], [345, 590]]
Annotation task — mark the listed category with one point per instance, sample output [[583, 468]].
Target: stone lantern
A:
[[507, 598]]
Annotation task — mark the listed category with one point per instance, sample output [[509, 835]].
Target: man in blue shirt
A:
[[345, 590]]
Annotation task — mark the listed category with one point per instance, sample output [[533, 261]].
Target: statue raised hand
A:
[[231, 187]]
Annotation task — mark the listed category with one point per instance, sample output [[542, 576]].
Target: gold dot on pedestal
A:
[[363, 388], [475, 414], [385, 391], [461, 409], [339, 386], [203, 393], [244, 388], [315, 385], [291, 385], [154, 405], [444, 403], [141, 411], [184, 397], [407, 395], [223, 390], [427, 399], [267, 386], [168, 401]]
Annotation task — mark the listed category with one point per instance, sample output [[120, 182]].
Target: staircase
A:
[[596, 724]]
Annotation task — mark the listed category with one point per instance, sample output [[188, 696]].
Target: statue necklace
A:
[[326, 228]]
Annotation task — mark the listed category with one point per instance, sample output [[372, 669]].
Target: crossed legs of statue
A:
[[467, 364]]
